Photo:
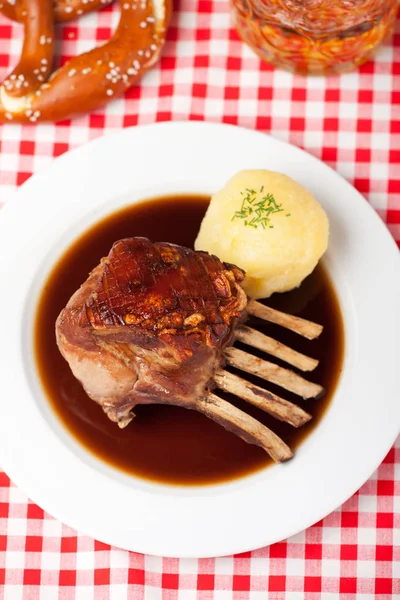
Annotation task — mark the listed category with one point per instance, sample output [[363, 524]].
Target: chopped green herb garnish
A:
[[255, 213]]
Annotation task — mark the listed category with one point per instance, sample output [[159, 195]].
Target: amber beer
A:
[[314, 37]]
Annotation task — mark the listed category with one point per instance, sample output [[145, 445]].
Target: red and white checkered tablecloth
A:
[[353, 123]]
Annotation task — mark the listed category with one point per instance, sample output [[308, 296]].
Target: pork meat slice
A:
[[149, 325]]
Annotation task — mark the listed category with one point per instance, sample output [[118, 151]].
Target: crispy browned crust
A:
[[185, 298]]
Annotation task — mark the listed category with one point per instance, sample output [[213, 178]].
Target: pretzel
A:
[[64, 10], [89, 80]]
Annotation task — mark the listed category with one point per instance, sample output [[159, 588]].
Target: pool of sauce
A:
[[165, 443]]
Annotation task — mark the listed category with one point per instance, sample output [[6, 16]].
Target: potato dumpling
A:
[[270, 226]]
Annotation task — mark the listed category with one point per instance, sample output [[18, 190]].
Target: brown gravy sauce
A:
[[163, 443]]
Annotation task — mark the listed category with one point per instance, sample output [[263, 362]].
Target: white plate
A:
[[54, 207]]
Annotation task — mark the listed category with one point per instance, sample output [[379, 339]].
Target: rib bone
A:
[[301, 326], [245, 426], [273, 373], [254, 338], [267, 401]]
